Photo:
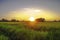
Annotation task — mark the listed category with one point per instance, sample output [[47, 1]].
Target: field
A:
[[29, 31]]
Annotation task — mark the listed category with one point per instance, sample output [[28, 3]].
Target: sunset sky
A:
[[24, 9]]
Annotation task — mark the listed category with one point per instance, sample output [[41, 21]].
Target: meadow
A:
[[29, 31]]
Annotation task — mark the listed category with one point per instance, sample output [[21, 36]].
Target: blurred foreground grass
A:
[[29, 31]]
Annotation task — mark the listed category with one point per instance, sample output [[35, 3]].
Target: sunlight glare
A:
[[32, 19]]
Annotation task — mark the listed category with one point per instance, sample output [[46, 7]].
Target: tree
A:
[[40, 19], [55, 21], [4, 20], [59, 21], [14, 20]]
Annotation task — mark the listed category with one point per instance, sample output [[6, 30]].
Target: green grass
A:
[[29, 31], [2, 37]]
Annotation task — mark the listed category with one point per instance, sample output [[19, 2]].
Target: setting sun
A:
[[32, 19]]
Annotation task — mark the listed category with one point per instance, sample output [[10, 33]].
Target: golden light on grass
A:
[[31, 19]]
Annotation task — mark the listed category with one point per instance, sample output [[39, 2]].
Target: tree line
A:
[[37, 20], [5, 20]]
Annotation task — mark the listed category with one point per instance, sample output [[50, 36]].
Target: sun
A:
[[31, 19]]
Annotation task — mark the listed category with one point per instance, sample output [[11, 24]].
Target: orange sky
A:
[[26, 13], [24, 9]]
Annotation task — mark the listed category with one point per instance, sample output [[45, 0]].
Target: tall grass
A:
[[22, 31]]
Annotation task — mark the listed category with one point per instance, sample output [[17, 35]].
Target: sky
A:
[[23, 9]]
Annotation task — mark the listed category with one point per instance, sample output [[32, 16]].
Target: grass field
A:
[[29, 31]]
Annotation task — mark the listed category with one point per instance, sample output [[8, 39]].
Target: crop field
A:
[[29, 31]]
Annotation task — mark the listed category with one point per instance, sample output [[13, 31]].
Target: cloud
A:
[[26, 13]]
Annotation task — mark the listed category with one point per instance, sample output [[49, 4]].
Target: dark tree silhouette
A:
[[40, 19], [14, 20], [58, 20], [4, 20], [55, 21]]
